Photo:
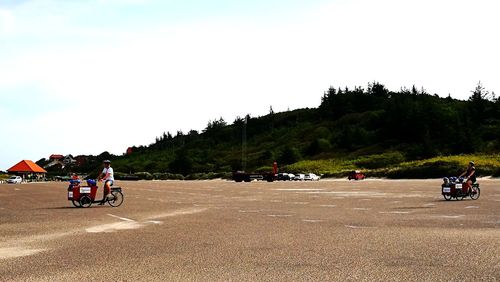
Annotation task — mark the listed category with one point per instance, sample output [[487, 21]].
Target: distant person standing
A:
[[107, 176], [470, 174]]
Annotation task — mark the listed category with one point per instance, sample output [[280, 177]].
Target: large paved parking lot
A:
[[282, 231]]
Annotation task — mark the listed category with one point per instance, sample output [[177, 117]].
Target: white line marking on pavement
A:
[[122, 218], [179, 212], [396, 212], [451, 216], [154, 221], [6, 253], [279, 215], [15, 248], [303, 189], [312, 220], [347, 193], [356, 227], [111, 227], [471, 207], [127, 223]]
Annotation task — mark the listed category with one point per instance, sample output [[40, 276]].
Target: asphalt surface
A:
[[372, 230]]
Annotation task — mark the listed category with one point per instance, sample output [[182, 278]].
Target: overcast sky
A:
[[83, 77]]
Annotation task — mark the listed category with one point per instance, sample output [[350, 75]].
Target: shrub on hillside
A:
[[435, 169], [167, 176], [380, 161], [144, 175]]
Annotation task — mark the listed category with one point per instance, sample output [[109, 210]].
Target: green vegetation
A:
[[3, 176], [408, 133], [391, 166]]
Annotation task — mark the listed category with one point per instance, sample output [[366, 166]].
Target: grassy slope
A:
[[391, 165]]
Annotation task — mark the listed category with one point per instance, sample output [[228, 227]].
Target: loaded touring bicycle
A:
[[84, 196]]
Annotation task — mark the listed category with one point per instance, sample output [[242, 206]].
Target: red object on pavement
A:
[[356, 175]]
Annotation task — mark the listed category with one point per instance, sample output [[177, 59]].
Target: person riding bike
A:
[[108, 176], [470, 174]]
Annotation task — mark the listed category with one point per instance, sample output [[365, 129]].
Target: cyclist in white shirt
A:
[[108, 178]]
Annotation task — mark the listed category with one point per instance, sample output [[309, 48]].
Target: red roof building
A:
[[56, 157], [27, 169]]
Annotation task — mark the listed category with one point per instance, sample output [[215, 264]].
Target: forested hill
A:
[[392, 127], [408, 133]]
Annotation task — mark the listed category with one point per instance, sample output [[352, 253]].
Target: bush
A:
[[318, 146], [144, 175], [435, 169], [380, 161], [264, 169], [289, 155], [328, 168]]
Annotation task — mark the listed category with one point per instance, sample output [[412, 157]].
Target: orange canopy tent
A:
[[27, 169]]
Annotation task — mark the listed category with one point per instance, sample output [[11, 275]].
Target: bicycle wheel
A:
[[475, 195], [447, 197], [76, 203], [117, 199], [85, 201]]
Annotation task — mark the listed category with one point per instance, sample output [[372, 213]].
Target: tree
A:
[[104, 156], [377, 89], [215, 125], [478, 103], [318, 146], [289, 155], [182, 163], [238, 121]]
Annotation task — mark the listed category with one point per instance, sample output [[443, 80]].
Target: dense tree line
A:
[[413, 121], [348, 122]]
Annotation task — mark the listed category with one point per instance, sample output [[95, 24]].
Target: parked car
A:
[[15, 180], [299, 177], [356, 175], [291, 176], [311, 177], [283, 176]]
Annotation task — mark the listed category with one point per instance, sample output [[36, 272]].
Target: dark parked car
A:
[[284, 176]]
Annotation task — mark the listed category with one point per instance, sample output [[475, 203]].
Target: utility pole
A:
[[244, 145]]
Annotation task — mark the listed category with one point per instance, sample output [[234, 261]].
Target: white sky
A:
[[83, 77]]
